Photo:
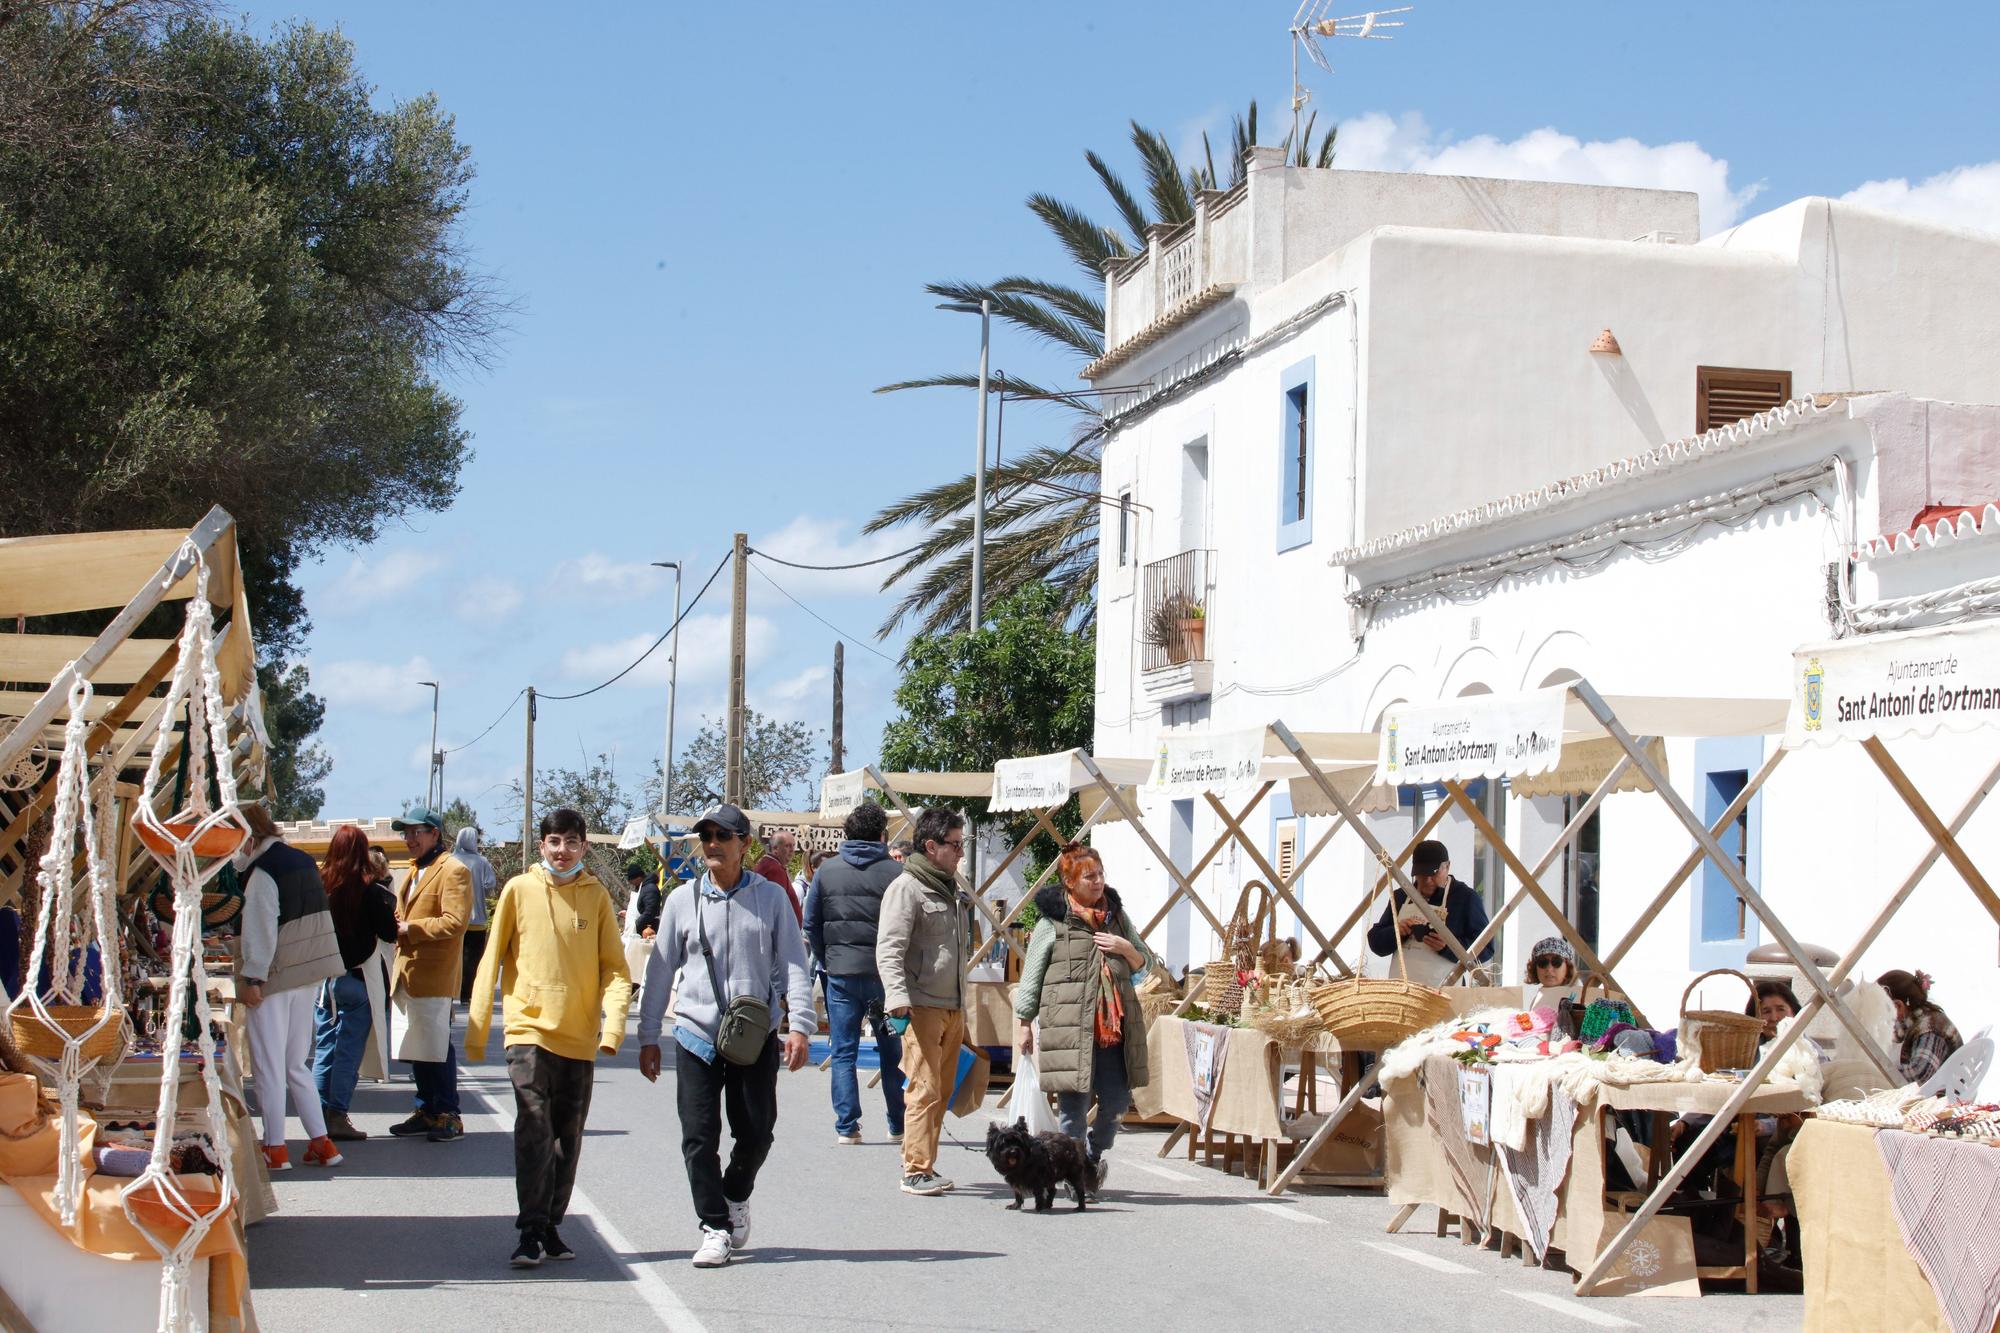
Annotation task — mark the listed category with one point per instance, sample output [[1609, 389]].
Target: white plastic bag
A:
[[1026, 1101]]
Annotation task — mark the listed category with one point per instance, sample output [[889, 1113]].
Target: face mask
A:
[[564, 875]]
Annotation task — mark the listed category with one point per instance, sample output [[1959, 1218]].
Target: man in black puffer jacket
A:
[[843, 906]]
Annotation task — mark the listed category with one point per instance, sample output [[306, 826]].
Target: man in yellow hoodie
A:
[[554, 948]]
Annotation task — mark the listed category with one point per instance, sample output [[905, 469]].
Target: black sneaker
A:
[[553, 1247], [422, 1122], [528, 1254], [446, 1129]]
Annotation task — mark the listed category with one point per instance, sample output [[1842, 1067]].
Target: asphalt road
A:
[[421, 1232]]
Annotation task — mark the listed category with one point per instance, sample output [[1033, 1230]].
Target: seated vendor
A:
[[1426, 958], [1551, 973], [1925, 1037]]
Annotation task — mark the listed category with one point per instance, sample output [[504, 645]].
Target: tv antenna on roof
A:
[[1310, 24]]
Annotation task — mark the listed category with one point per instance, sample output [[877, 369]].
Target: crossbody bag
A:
[[745, 1028]]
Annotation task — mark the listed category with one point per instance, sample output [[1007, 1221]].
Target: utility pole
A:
[[673, 695], [978, 609], [528, 789], [979, 477], [839, 673], [434, 777], [732, 783]]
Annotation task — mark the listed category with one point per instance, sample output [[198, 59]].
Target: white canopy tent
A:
[[1040, 784], [1869, 690]]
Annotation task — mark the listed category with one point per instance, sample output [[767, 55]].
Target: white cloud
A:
[[808, 540], [704, 653], [372, 581], [375, 687], [810, 685], [1379, 142], [487, 599], [1961, 197], [597, 576]]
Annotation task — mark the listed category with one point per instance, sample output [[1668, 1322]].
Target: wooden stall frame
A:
[[1944, 843]]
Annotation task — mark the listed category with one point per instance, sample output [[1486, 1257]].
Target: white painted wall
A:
[[1469, 350]]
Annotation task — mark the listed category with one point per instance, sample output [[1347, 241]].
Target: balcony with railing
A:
[[1173, 626]]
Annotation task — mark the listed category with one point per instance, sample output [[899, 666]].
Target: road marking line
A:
[[1419, 1258], [1573, 1307], [1289, 1214], [1162, 1172], [664, 1302]]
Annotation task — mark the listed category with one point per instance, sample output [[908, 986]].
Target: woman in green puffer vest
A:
[[1082, 962]]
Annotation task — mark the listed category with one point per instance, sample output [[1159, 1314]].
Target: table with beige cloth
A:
[[1859, 1274], [1420, 1174]]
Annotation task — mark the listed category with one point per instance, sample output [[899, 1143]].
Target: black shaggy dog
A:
[[1038, 1164]]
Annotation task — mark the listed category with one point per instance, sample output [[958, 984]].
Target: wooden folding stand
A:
[[1843, 670]]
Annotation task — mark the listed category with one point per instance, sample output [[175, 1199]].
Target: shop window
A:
[[1723, 927]]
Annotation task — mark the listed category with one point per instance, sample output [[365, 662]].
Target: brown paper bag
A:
[[1658, 1262], [971, 1092], [1356, 1148]]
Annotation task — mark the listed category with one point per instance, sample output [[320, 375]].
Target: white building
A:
[[1406, 438]]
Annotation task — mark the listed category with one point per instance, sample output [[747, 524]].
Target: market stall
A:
[[145, 1180], [1870, 691], [1897, 1227]]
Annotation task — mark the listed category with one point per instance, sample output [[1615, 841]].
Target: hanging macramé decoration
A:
[[53, 1026], [193, 844]]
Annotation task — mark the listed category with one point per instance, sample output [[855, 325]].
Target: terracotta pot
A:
[[1193, 640], [221, 840]]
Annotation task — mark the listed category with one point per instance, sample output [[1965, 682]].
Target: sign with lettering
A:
[[1889, 685], [1221, 761], [1034, 783], [840, 793], [1478, 736]]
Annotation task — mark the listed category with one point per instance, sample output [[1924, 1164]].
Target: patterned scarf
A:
[[1109, 1023]]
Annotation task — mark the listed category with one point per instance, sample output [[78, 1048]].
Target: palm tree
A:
[[1041, 516]]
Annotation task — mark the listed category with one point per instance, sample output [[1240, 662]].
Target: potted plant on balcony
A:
[[1177, 625]]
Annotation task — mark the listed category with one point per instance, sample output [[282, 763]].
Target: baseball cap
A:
[[725, 817], [418, 814], [1430, 854]]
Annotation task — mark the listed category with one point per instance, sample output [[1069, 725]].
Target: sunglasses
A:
[[951, 842], [1552, 961], [714, 835]]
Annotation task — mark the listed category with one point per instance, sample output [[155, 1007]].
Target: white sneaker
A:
[[713, 1251], [849, 1139], [895, 1136], [739, 1223]]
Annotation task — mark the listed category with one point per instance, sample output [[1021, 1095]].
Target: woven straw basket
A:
[[1248, 930], [1728, 1039], [1378, 1011], [36, 1038]]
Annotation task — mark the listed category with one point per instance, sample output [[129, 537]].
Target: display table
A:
[[133, 1093], [1248, 1118], [1421, 1174], [1859, 1273]]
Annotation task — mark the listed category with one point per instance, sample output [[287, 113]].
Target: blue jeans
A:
[[848, 1001], [1114, 1099], [339, 1037], [437, 1083]]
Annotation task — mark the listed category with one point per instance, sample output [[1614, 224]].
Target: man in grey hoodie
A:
[[485, 883], [843, 907], [753, 945]]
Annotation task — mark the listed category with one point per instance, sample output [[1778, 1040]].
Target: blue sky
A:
[[718, 221]]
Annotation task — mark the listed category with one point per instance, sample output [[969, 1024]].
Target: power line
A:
[[851, 638], [489, 726], [688, 611], [831, 569]]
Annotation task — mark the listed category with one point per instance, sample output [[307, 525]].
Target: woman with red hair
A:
[[363, 913], [1078, 981]]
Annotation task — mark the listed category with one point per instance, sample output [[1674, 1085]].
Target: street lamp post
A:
[[435, 778], [673, 694]]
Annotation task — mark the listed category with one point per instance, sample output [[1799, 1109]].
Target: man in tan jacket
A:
[[431, 913]]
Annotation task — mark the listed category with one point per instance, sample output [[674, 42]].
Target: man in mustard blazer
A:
[[431, 913]]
